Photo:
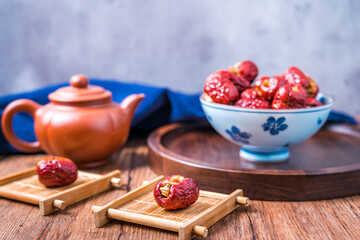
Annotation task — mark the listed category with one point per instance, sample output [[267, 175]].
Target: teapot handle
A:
[[21, 105]]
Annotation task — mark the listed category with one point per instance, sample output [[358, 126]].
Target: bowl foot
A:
[[261, 157]]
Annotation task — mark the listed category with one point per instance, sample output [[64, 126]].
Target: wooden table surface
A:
[[330, 219]]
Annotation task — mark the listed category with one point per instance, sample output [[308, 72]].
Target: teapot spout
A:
[[130, 104]]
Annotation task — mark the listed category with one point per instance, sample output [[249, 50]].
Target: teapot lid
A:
[[80, 92]]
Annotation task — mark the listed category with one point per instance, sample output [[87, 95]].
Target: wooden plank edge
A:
[[18, 175], [90, 175], [213, 194], [144, 220], [100, 213], [20, 196], [77, 193]]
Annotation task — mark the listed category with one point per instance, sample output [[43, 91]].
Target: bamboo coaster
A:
[[139, 206], [24, 186]]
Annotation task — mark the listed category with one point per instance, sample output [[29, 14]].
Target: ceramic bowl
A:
[[266, 134]]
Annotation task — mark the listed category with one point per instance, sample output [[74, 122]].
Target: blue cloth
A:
[[160, 106]]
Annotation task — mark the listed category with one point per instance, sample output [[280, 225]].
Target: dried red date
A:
[[312, 102], [176, 192], [293, 75], [269, 86], [246, 69], [251, 93], [56, 171], [220, 88], [313, 89], [290, 96], [291, 90], [252, 103]]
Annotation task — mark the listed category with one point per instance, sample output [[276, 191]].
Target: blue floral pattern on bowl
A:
[[239, 136], [275, 126], [319, 121], [287, 144]]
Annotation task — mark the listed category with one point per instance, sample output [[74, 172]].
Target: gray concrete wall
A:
[[176, 44]]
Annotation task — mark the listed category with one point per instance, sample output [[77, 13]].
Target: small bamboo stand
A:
[[24, 186], [139, 206]]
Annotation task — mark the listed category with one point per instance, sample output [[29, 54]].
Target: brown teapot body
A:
[[85, 126]]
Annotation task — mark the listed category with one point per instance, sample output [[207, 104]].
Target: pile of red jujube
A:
[[237, 86]]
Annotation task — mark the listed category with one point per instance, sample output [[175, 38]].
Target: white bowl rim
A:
[[329, 104]]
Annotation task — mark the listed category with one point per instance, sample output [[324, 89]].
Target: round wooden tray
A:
[[325, 166]]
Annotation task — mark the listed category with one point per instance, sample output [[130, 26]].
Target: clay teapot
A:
[[81, 123]]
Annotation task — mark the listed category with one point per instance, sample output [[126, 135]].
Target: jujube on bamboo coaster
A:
[[176, 192], [192, 211], [55, 183]]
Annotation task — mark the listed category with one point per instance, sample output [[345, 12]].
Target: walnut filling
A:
[[207, 98], [166, 185], [296, 88], [266, 83]]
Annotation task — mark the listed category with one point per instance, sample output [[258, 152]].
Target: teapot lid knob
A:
[[79, 81], [80, 92]]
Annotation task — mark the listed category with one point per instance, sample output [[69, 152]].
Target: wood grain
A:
[[100, 213], [24, 186], [138, 206], [79, 192], [324, 166], [328, 219]]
